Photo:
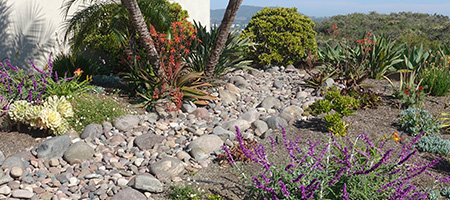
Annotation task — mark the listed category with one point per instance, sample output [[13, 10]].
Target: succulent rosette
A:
[[50, 118], [20, 110], [61, 105]]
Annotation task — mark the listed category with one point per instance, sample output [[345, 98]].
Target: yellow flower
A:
[[78, 72]]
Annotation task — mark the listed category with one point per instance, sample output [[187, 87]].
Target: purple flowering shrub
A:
[[19, 85], [338, 169]]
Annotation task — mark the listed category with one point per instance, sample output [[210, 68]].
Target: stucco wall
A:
[[199, 10], [52, 24]]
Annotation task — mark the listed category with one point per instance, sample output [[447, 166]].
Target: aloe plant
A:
[[413, 58]]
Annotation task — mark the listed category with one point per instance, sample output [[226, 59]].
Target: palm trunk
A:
[[141, 27], [224, 28]]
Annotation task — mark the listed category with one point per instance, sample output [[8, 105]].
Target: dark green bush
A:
[[282, 35]]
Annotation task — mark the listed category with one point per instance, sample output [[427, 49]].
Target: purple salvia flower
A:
[[395, 171], [298, 178], [37, 69], [288, 167], [283, 189], [407, 157], [257, 183], [420, 170], [70, 78], [50, 65], [56, 76], [34, 83], [266, 180], [11, 66], [344, 193], [40, 94], [383, 160], [272, 142], [30, 95], [230, 157]]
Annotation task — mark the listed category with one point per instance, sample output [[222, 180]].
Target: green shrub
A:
[[95, 108], [104, 28], [68, 63], [434, 144], [283, 36], [436, 80], [415, 121], [342, 105]]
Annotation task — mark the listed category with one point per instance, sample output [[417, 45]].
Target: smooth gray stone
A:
[[53, 147], [92, 131]]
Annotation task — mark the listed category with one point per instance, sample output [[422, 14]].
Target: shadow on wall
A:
[[25, 38]]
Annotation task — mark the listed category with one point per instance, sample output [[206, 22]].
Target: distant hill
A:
[[244, 15]]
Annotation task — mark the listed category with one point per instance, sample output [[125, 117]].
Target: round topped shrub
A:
[[283, 36]]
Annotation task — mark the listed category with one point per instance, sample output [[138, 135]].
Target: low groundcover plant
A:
[[339, 169]]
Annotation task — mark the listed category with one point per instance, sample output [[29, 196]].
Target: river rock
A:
[[209, 143], [240, 123], [126, 122], [260, 127], [167, 167], [13, 161], [148, 141], [53, 147], [148, 183], [92, 131], [129, 193], [271, 102], [78, 152], [274, 122]]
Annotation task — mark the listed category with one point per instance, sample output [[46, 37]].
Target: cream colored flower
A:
[[61, 105], [19, 110], [50, 118], [34, 117]]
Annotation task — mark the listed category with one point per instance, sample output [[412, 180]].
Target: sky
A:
[[324, 8]]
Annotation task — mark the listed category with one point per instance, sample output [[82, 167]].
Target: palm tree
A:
[[110, 21], [224, 28], [141, 27]]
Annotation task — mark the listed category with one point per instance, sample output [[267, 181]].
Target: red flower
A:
[[420, 88], [368, 48], [406, 92]]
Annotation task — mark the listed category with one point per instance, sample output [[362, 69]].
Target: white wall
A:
[[199, 10], [51, 13]]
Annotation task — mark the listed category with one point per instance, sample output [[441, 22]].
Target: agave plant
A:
[[232, 56]]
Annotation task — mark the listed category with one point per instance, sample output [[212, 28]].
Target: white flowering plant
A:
[[51, 115]]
